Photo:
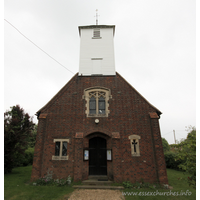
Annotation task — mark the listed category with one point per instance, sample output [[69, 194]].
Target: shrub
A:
[[50, 181], [45, 181], [186, 154], [165, 144], [24, 159], [170, 159], [28, 158], [141, 184]]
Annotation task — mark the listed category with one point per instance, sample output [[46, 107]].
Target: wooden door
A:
[[97, 156]]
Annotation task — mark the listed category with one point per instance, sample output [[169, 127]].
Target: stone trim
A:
[[116, 135], [134, 138], [43, 116], [107, 96], [61, 146], [60, 157], [79, 135], [153, 115]]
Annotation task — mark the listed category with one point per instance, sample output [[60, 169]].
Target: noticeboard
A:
[[109, 154], [86, 154]]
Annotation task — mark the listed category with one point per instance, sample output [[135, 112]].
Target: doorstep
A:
[[98, 182], [98, 187]]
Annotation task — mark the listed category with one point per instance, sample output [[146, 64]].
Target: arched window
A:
[[97, 101]]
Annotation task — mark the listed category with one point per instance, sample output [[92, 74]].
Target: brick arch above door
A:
[[103, 132], [98, 134]]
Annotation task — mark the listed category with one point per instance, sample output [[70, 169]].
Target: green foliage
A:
[[18, 128], [177, 180], [50, 181], [165, 144], [187, 155], [171, 161], [44, 181], [141, 184], [127, 184], [173, 146], [24, 159], [28, 158], [32, 139], [17, 186]]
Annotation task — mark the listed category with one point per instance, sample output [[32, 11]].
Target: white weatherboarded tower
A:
[[97, 50]]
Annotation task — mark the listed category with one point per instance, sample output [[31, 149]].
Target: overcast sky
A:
[[154, 51]]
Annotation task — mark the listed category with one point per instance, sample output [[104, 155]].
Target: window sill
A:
[[59, 157], [100, 115], [96, 37], [135, 154]]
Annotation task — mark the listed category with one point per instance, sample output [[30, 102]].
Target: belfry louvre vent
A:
[[96, 33]]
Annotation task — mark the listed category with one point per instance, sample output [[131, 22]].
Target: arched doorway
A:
[[97, 156]]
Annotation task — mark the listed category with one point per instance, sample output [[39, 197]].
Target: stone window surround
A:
[[136, 138], [87, 99], [61, 146]]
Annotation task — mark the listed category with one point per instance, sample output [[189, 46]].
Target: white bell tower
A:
[[97, 50]]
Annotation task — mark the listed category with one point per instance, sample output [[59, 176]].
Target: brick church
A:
[[98, 124]]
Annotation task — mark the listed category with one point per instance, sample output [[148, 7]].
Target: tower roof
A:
[[96, 26]]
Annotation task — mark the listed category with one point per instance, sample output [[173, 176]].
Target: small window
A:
[[134, 140], [60, 149]]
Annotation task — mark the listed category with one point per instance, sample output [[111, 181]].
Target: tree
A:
[[165, 145], [32, 140], [187, 154], [18, 128]]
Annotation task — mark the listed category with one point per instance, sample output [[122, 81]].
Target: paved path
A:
[[98, 194]]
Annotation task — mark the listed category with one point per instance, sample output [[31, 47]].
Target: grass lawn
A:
[[17, 187], [176, 179]]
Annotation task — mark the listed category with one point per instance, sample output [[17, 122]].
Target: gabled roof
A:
[[158, 111], [60, 91], [71, 81]]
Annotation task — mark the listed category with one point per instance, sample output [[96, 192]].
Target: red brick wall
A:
[[129, 114]]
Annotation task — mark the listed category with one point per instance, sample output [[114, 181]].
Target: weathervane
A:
[[97, 16]]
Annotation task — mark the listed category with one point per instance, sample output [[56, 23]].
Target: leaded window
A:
[[92, 105], [97, 101], [102, 105]]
